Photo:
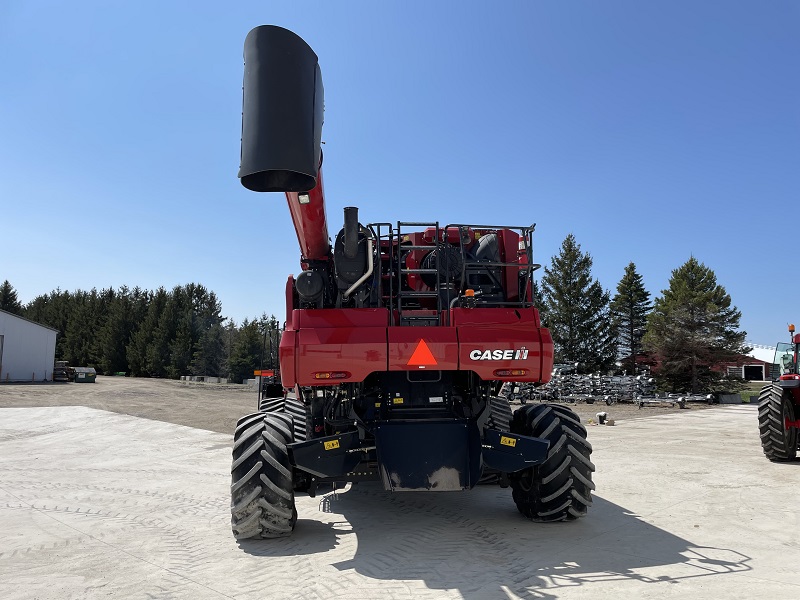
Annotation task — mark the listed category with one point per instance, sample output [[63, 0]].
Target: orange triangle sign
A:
[[422, 356]]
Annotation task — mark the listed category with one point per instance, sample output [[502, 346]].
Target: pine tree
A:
[[538, 301], [630, 308], [53, 309], [139, 349], [209, 357], [693, 327], [8, 299], [114, 335], [246, 352], [181, 348], [81, 327], [159, 360], [160, 334], [576, 310]]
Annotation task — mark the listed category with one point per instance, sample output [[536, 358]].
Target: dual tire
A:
[[262, 494], [560, 488]]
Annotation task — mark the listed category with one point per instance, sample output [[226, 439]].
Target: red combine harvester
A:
[[779, 404], [398, 338]]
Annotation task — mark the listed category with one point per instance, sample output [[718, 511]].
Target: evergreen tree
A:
[[538, 300], [159, 350], [160, 334], [139, 348], [114, 336], [53, 309], [8, 299], [246, 352], [210, 354], [630, 308], [181, 348], [576, 310], [693, 327], [78, 348]]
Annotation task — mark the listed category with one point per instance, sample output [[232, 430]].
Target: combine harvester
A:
[[398, 338]]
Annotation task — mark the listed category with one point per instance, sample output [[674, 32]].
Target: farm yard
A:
[[121, 489]]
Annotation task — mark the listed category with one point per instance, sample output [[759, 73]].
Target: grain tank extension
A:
[[398, 337]]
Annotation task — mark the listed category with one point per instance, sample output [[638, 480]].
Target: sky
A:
[[652, 131]]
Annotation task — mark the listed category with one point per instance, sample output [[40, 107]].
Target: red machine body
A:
[[495, 344]]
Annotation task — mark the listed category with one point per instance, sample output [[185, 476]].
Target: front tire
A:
[[775, 407], [560, 488], [262, 496]]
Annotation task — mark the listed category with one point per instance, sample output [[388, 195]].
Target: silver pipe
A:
[[370, 265]]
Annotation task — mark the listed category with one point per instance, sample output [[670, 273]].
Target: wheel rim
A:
[[526, 480]]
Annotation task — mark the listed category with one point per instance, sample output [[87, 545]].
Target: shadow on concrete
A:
[[309, 537], [477, 543]]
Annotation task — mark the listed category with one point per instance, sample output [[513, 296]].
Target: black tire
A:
[[262, 497], [499, 413], [560, 488], [774, 408], [271, 404], [290, 406], [297, 410]]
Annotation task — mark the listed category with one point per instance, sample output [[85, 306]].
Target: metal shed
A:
[[84, 374], [27, 349]]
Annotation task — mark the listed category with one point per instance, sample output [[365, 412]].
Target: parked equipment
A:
[[62, 371], [779, 404], [398, 339]]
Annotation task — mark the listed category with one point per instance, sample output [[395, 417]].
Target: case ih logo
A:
[[520, 354]]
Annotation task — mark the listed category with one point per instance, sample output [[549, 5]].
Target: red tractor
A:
[[398, 338], [779, 404]]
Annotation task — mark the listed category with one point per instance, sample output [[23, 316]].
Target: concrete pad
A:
[[96, 504]]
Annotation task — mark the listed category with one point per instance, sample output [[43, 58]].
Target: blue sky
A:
[[651, 131]]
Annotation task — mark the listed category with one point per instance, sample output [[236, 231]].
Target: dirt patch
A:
[[216, 407]]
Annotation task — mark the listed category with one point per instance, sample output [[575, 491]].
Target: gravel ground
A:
[[217, 407]]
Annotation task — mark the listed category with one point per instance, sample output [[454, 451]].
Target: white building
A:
[[27, 349]]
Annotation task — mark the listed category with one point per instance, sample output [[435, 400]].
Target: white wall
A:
[[29, 350]]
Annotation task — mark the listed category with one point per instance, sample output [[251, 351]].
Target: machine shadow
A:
[[477, 544]]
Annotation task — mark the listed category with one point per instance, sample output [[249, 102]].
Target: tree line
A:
[[147, 333], [690, 328]]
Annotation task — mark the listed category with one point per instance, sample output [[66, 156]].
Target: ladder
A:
[[407, 313]]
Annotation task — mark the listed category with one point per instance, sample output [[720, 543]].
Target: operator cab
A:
[[786, 360]]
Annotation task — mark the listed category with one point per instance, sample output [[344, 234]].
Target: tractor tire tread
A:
[[778, 443], [560, 488], [262, 495]]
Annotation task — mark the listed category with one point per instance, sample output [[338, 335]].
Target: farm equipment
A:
[[570, 387], [779, 404], [62, 371], [398, 338]]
